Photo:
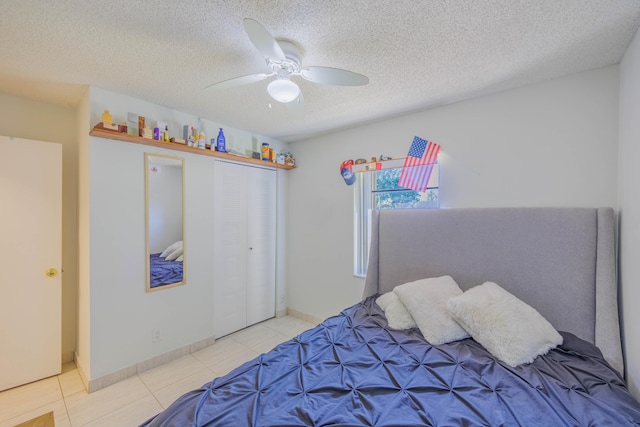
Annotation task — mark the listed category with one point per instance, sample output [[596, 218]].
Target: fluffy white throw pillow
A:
[[172, 247], [508, 328], [397, 315], [426, 301], [175, 254]]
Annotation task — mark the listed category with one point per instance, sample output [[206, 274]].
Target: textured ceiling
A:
[[416, 53]]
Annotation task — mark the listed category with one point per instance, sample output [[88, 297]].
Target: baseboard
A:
[[67, 357], [303, 316], [81, 370], [95, 384]]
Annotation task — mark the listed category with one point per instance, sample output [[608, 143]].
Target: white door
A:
[[261, 261], [30, 246], [244, 246], [230, 248]]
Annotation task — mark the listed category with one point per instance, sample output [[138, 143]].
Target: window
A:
[[377, 190]]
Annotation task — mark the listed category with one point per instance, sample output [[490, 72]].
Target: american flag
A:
[[418, 164]]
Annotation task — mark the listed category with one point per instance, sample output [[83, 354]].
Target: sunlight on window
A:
[[379, 190]]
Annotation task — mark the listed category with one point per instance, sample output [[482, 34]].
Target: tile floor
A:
[[136, 399]]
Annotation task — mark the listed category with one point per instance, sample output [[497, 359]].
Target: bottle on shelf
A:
[[202, 141], [221, 143], [107, 118]]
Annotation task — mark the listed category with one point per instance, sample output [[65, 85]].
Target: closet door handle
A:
[[251, 249]]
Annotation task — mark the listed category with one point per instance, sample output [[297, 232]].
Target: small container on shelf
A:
[[140, 125], [202, 141], [288, 159], [107, 121], [132, 124], [147, 132], [107, 118]]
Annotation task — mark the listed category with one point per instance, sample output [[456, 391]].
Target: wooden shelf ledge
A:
[[101, 132]]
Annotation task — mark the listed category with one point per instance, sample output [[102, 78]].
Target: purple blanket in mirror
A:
[[164, 272]]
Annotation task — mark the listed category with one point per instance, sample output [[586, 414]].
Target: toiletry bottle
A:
[[140, 126], [123, 127], [265, 151], [107, 118], [221, 143], [166, 134], [212, 147], [156, 134], [201, 141]]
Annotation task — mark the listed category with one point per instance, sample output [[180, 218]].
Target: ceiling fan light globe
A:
[[283, 90]]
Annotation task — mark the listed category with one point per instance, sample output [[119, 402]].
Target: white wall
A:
[[123, 316], [549, 144], [629, 209], [25, 118]]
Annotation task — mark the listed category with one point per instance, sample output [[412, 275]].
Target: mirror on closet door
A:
[[164, 200]]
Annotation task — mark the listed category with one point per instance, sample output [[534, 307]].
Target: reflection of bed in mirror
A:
[[165, 268], [165, 226]]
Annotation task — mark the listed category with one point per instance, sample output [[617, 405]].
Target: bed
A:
[[354, 369]]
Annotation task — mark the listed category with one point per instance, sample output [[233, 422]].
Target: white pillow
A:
[[397, 315], [426, 301], [508, 328], [175, 254], [180, 258], [172, 247]]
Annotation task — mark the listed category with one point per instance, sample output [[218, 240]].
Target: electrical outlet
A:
[[155, 336]]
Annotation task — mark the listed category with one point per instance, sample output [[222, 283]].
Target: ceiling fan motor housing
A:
[[291, 63]]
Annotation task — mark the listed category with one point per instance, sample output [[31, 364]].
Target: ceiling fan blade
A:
[[238, 81], [333, 76], [263, 40]]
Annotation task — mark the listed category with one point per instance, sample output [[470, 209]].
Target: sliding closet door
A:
[[230, 248], [245, 246], [261, 262]]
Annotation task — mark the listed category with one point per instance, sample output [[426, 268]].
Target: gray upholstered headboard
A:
[[561, 261]]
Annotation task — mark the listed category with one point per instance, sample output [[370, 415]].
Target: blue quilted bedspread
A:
[[164, 272], [352, 370]]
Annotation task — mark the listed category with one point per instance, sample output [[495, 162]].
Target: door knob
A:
[[52, 272]]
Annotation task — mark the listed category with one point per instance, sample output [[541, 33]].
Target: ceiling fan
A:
[[283, 60]]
